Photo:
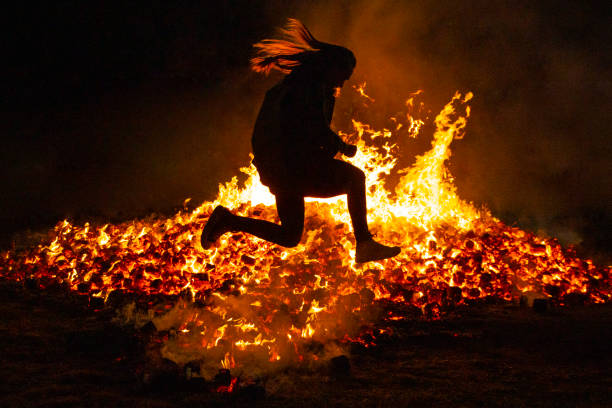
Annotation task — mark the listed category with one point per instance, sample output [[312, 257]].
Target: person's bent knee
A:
[[358, 176], [291, 239]]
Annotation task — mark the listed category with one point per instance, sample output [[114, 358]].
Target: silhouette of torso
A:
[[292, 133]]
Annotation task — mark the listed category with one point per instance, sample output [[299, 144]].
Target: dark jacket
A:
[[292, 132]]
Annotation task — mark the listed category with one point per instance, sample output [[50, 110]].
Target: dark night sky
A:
[[114, 111]]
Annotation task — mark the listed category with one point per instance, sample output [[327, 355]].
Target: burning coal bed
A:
[[248, 308]]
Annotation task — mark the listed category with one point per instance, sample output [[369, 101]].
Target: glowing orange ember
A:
[[251, 305]]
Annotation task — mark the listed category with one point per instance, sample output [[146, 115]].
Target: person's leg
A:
[[336, 178], [290, 209], [330, 178], [356, 201]]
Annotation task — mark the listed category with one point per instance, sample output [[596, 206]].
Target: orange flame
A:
[[361, 91]]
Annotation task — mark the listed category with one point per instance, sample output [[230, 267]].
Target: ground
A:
[[58, 350]]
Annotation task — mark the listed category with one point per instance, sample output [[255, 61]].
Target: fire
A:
[[361, 91], [250, 305]]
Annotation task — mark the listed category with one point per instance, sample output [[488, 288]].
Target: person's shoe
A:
[[371, 250], [215, 227]]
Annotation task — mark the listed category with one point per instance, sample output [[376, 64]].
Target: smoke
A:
[[536, 149], [118, 112]]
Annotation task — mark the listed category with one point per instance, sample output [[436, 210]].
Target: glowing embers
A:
[[249, 305]]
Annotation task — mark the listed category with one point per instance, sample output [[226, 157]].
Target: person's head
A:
[[299, 52], [339, 63]]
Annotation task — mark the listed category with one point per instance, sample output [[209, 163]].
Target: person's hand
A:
[[349, 150]]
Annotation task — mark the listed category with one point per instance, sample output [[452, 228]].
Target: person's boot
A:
[[215, 227], [371, 250]]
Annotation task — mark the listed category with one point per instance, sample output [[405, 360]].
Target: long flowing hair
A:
[[296, 46]]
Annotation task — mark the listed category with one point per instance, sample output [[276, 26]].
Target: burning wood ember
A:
[[247, 306]]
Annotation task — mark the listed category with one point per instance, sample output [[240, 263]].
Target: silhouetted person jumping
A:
[[294, 147]]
